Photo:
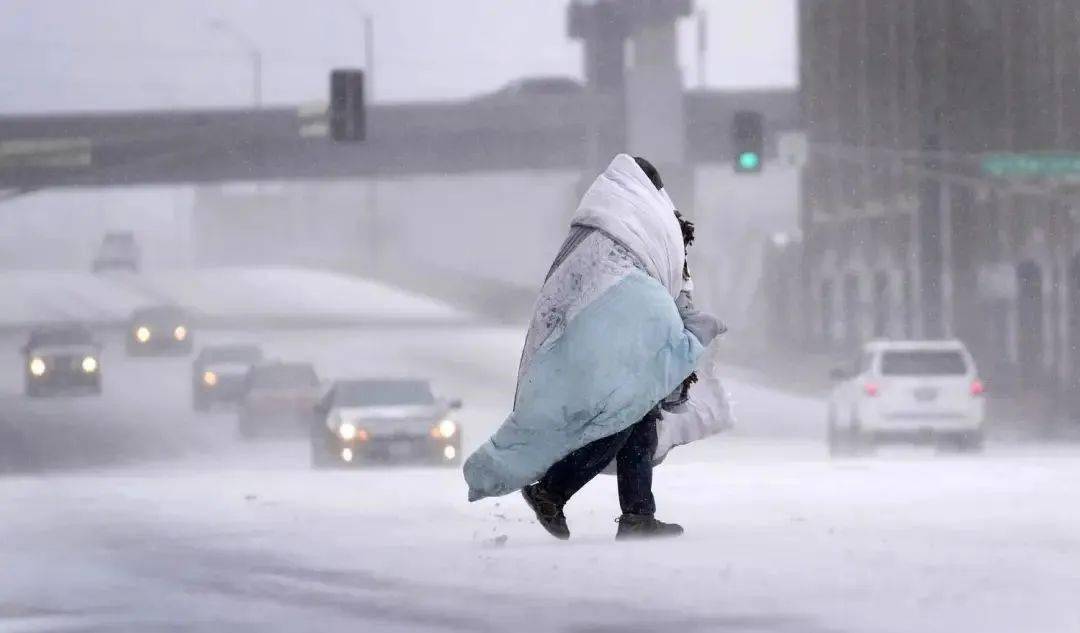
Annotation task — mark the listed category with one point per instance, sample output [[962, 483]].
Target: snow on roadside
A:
[[221, 293], [294, 292], [35, 296], [904, 543]]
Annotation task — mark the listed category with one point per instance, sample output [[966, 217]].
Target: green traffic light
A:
[[749, 160]]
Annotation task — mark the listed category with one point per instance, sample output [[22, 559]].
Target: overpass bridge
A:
[[637, 105], [289, 143], [432, 180]]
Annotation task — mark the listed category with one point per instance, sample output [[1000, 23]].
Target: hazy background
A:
[[130, 54], [119, 54], [137, 508]]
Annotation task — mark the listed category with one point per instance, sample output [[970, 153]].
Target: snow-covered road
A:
[[227, 536], [230, 295]]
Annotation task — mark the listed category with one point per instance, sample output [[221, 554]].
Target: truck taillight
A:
[[977, 387], [871, 389]]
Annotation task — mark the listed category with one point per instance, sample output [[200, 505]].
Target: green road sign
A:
[[1032, 165], [749, 160]]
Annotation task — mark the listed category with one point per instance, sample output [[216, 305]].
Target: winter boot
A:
[[645, 526], [548, 511]]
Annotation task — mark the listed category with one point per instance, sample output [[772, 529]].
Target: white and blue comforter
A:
[[606, 342]]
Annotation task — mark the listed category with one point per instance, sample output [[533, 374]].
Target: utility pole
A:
[[369, 49], [256, 88], [377, 235], [369, 55], [372, 227], [702, 47]]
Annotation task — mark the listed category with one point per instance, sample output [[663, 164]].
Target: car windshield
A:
[[118, 243], [65, 336], [159, 315], [923, 363], [543, 86], [550, 86], [231, 355], [284, 376], [383, 393]]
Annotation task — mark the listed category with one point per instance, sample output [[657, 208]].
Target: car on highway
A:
[[118, 251], [360, 422], [159, 331], [279, 399], [541, 86], [219, 374], [907, 391], [62, 359]]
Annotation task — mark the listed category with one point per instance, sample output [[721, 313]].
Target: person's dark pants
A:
[[632, 450]]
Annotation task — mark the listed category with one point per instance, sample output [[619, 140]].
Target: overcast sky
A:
[[128, 54]]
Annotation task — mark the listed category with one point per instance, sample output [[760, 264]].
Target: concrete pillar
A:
[[655, 118], [948, 268], [602, 26]]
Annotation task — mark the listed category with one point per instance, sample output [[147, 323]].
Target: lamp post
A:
[[252, 51]]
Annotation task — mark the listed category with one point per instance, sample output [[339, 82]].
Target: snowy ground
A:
[[775, 543], [220, 535], [231, 294]]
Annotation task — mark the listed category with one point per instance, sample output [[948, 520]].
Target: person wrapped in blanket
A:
[[614, 341]]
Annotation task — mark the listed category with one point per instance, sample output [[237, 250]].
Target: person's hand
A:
[[702, 325]]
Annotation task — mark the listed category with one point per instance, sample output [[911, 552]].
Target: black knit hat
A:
[[650, 171]]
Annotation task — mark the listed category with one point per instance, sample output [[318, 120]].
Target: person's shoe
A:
[[549, 512], [645, 526]]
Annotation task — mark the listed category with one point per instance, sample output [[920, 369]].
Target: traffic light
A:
[[748, 141], [347, 116]]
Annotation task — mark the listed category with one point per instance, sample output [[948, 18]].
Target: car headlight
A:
[[347, 431], [209, 378], [446, 429], [142, 334], [89, 364], [180, 332], [449, 453], [37, 366]]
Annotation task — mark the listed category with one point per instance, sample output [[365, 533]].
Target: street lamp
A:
[[252, 50]]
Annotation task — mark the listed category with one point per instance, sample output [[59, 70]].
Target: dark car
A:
[[219, 374], [279, 399], [159, 331], [118, 251], [397, 420], [62, 359], [530, 87]]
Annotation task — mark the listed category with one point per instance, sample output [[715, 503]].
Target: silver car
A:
[[384, 421]]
